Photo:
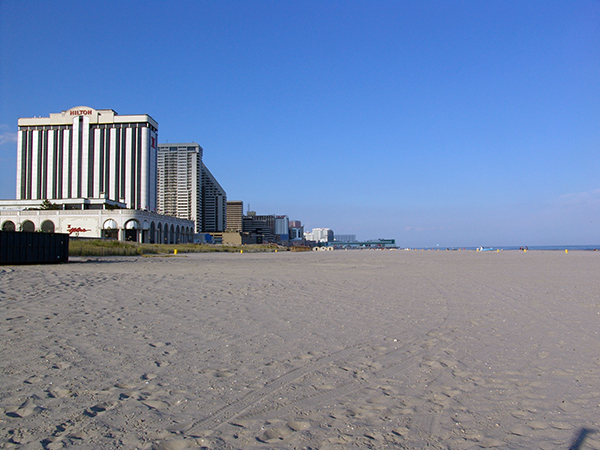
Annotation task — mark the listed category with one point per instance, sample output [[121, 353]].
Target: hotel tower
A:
[[83, 153], [188, 190]]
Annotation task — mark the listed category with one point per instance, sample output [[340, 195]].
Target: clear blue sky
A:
[[456, 123]]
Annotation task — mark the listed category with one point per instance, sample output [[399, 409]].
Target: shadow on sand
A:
[[578, 441]]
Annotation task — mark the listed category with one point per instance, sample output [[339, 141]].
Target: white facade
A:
[[88, 153], [123, 224], [186, 188], [282, 225], [179, 181], [319, 235]]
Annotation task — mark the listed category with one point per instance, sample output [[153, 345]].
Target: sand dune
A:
[[327, 350]]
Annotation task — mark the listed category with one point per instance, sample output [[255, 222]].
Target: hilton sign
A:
[[80, 112]]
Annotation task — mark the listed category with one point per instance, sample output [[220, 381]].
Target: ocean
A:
[[531, 247]]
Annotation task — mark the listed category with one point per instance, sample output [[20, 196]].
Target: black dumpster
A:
[[33, 248]]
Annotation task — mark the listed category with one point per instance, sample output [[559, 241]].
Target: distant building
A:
[[319, 235], [214, 203], [296, 230], [235, 212], [262, 228], [345, 238], [282, 228], [187, 189]]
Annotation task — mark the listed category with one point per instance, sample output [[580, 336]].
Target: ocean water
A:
[[530, 247], [556, 247]]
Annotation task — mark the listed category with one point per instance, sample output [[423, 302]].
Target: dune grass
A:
[[103, 247]]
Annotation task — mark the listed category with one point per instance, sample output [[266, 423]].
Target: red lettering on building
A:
[[81, 112], [72, 230]]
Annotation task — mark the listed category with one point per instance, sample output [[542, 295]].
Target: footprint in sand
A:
[[537, 425], [34, 379], [520, 430], [155, 404], [218, 373], [99, 408], [491, 443], [125, 386], [173, 444], [280, 432], [568, 407], [58, 392], [26, 409]]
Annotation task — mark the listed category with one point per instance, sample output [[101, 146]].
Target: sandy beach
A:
[[316, 350]]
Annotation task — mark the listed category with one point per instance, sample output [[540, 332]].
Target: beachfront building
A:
[[179, 185], [282, 228], [83, 153], [319, 235], [345, 238], [260, 228], [90, 173], [186, 188], [296, 230], [235, 212], [122, 224], [214, 203]]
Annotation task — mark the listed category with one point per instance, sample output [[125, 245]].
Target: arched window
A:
[[48, 226], [132, 224], [28, 226], [132, 228], [152, 233], [8, 226], [110, 229]]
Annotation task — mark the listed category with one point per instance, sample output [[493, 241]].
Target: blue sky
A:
[[457, 123]]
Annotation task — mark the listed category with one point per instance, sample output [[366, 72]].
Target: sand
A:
[[317, 350]]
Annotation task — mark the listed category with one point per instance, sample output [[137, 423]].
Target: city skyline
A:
[[450, 123]]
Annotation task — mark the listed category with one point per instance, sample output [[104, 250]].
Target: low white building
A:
[[122, 224], [319, 235]]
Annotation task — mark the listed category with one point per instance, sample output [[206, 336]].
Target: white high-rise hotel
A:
[[186, 188], [98, 170], [179, 186], [83, 153]]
